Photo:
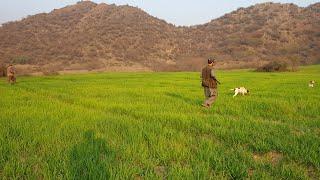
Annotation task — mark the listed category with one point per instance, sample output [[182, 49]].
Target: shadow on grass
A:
[[185, 99], [91, 159]]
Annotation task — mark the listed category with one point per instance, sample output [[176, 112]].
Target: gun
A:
[[216, 80]]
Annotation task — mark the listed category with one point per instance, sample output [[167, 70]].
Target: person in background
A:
[[11, 72]]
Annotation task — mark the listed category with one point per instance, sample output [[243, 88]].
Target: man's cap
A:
[[211, 60]]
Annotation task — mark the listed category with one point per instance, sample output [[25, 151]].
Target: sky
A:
[[178, 12]]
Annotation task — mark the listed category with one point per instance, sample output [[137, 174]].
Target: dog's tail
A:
[[232, 89]]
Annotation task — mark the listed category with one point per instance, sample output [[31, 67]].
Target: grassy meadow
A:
[[152, 126]]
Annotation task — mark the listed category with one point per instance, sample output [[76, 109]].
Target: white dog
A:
[[312, 83], [240, 90]]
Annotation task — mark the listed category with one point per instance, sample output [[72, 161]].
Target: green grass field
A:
[[151, 126]]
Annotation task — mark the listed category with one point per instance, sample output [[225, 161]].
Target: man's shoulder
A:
[[205, 67], [208, 67]]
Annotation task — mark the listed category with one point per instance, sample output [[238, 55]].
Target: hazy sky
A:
[[179, 12]]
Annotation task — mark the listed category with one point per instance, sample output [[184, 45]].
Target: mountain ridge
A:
[[90, 36]]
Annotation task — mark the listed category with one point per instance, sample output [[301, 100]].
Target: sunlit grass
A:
[[151, 125]]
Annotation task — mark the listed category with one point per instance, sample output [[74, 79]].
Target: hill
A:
[[264, 32], [89, 36]]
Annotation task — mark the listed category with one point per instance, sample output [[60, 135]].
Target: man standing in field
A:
[[209, 83], [11, 74]]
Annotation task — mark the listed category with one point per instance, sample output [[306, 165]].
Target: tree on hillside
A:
[[294, 62]]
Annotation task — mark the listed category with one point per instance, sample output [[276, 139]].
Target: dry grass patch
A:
[[312, 173], [273, 157], [160, 171]]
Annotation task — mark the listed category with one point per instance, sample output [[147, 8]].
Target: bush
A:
[[21, 60], [274, 66], [50, 72], [2, 71]]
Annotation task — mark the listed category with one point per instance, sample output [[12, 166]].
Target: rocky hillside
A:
[[263, 32], [89, 36]]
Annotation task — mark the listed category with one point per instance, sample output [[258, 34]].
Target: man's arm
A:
[[214, 77], [212, 73]]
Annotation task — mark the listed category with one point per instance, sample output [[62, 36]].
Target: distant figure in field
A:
[[209, 83], [11, 74]]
